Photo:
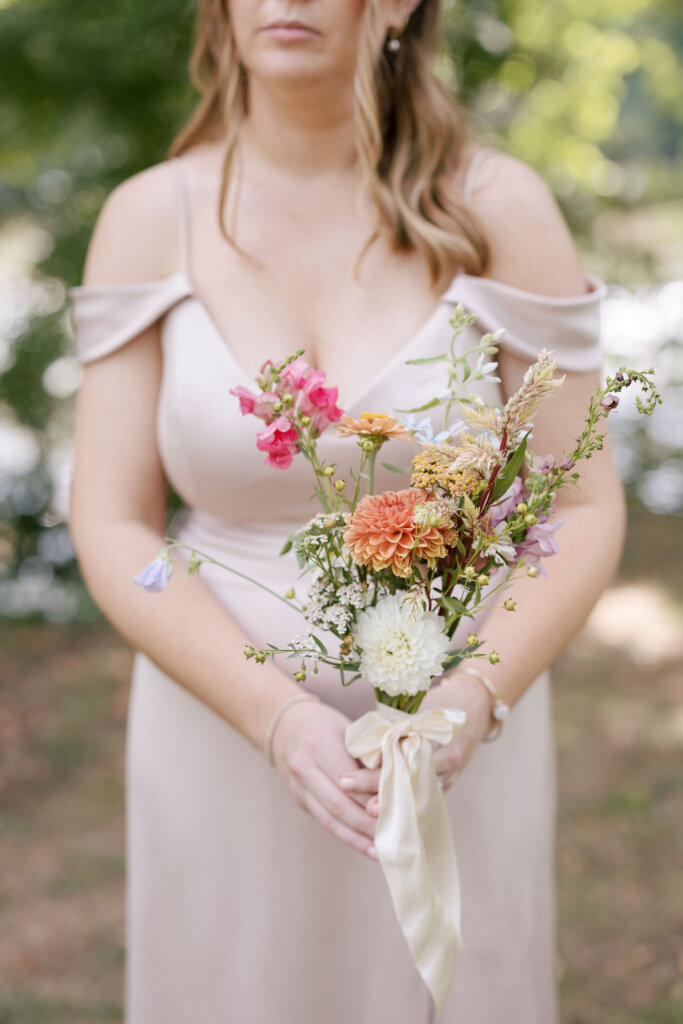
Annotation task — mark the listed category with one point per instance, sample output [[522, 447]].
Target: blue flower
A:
[[424, 430], [156, 575]]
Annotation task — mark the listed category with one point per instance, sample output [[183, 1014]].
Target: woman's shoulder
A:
[[135, 237], [531, 246]]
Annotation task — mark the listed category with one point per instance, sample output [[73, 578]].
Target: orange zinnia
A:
[[382, 532], [377, 423]]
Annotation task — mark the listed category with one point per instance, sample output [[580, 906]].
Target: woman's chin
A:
[[291, 70]]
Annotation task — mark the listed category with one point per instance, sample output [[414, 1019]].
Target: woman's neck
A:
[[300, 132]]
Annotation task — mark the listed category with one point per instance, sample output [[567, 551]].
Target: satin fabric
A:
[[240, 907], [413, 835]]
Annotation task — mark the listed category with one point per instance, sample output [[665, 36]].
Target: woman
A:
[[254, 894]]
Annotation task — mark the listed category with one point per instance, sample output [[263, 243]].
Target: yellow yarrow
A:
[[430, 471]]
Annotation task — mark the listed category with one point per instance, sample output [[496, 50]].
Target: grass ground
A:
[[619, 724]]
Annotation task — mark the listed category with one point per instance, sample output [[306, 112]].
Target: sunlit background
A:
[[589, 92]]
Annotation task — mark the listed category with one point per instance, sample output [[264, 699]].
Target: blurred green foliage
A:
[[586, 91]]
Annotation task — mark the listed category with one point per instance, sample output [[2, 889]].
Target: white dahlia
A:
[[401, 651]]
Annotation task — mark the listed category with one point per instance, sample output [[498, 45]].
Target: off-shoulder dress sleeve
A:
[[569, 327], [105, 317]]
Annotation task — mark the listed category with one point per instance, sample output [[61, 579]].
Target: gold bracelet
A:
[[277, 715], [500, 709]]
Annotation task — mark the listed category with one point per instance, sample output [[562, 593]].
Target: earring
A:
[[393, 41]]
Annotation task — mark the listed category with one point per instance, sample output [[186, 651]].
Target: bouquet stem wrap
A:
[[413, 834]]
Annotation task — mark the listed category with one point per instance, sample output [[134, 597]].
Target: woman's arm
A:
[[532, 249], [117, 522]]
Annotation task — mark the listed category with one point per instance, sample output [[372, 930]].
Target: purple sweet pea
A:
[[610, 401], [154, 576], [507, 504], [539, 543], [545, 464]]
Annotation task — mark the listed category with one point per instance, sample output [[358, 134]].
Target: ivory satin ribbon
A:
[[413, 835]]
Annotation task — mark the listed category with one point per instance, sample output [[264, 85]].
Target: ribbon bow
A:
[[413, 835]]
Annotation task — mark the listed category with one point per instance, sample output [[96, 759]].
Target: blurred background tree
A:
[[586, 91]]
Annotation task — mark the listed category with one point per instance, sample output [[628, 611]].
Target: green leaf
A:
[[396, 469], [428, 359], [452, 604], [422, 408], [318, 641], [288, 544], [510, 470]]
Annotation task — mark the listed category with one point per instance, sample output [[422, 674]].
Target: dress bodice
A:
[[208, 449]]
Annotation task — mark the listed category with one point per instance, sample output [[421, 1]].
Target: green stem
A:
[[372, 457], [207, 558]]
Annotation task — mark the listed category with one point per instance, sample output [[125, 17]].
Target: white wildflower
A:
[[400, 656]]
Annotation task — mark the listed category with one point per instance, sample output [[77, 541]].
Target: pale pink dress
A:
[[241, 909]]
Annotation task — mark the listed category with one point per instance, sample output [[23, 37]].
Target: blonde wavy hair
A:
[[410, 132]]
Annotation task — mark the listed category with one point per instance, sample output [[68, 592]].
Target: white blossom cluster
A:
[[324, 608], [321, 537], [305, 642]]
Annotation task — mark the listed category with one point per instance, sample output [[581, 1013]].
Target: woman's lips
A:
[[290, 30]]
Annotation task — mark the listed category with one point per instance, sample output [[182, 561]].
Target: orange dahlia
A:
[[377, 423], [383, 532]]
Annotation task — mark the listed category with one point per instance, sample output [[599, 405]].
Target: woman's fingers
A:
[[365, 780], [347, 835], [340, 805]]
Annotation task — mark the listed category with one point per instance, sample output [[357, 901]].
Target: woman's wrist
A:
[[482, 692], [277, 715]]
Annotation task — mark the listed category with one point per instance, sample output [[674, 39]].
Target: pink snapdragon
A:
[[260, 405], [288, 393], [294, 374], [318, 402], [280, 440]]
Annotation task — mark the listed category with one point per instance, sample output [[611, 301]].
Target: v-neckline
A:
[[398, 356]]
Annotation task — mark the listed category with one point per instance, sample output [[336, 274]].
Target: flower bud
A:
[[290, 594], [328, 471], [300, 676], [330, 522], [305, 421], [472, 639], [494, 657], [277, 406], [522, 508], [288, 400], [259, 657], [609, 401], [510, 605], [249, 651], [567, 463], [340, 485], [469, 572], [530, 519], [532, 571], [483, 580]]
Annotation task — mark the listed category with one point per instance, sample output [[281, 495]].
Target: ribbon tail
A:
[[416, 852]]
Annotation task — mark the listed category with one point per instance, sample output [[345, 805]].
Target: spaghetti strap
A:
[[184, 207], [473, 164]]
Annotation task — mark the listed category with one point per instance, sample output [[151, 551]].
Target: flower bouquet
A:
[[392, 576]]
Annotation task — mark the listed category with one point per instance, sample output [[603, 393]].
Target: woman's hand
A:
[[458, 691], [310, 755]]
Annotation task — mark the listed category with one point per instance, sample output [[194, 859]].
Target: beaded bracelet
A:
[[500, 709], [279, 712]]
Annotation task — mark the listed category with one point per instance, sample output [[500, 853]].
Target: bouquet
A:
[[392, 576]]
